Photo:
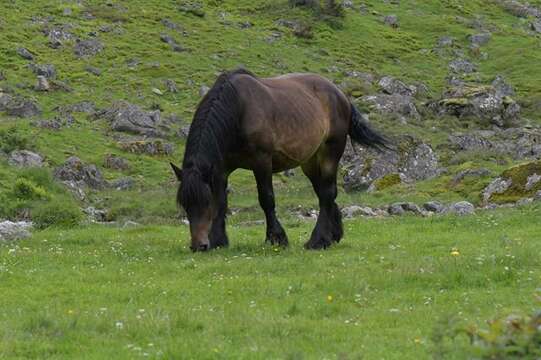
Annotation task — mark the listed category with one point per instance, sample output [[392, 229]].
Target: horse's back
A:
[[291, 115]]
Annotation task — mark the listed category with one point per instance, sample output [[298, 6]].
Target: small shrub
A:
[[511, 337], [25, 189], [61, 211], [12, 139]]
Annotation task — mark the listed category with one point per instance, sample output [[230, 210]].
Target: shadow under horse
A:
[[267, 125]]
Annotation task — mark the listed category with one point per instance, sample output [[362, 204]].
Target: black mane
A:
[[213, 129]]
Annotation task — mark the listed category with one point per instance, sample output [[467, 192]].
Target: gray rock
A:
[[116, 162], [480, 39], [75, 171], [434, 206], [42, 84], [125, 183], [25, 158], [446, 41], [401, 208], [203, 90], [12, 231], [518, 143], [393, 86], [171, 86], [524, 202], [520, 9], [536, 26], [532, 181], [25, 54], [130, 118], [96, 215], [2, 75], [54, 125], [462, 66], [87, 48], [392, 21], [461, 208], [537, 196], [47, 70], [497, 186], [356, 210], [93, 70], [172, 42], [482, 172], [58, 34], [491, 103], [396, 105], [19, 107], [415, 161], [150, 147]]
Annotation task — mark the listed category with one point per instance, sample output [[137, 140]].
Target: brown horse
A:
[[267, 125]]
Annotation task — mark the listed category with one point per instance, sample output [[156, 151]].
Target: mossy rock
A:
[[519, 175], [387, 181]]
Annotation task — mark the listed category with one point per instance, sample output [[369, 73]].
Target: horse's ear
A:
[[177, 171]]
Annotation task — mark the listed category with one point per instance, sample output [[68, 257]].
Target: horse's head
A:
[[195, 196]]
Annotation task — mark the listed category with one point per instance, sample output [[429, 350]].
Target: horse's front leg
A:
[[275, 232], [218, 235]]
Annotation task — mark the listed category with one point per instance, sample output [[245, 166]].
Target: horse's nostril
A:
[[203, 247]]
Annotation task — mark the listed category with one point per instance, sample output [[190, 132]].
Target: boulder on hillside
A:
[[25, 158], [461, 208], [47, 70], [116, 162], [396, 105], [515, 183], [75, 171], [130, 118], [87, 48], [492, 103], [12, 231], [18, 106], [147, 146], [518, 143], [392, 86], [413, 161]]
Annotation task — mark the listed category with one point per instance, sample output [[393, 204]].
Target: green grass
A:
[[383, 292]]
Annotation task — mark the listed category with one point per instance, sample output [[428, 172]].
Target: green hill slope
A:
[[157, 55]]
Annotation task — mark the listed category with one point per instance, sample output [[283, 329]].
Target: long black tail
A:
[[361, 132]]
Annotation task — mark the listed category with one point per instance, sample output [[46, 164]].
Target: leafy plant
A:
[[60, 211], [25, 189], [12, 139]]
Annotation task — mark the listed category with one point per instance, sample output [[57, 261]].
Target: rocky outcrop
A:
[[25, 158], [517, 143], [412, 161], [514, 184], [80, 175], [18, 106], [12, 231], [126, 117], [492, 103]]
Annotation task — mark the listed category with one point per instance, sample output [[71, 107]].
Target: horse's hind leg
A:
[[322, 170], [275, 232]]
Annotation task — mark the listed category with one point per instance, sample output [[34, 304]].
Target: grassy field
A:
[[384, 293]]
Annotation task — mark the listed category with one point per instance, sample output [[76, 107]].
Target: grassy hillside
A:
[[396, 287], [134, 63]]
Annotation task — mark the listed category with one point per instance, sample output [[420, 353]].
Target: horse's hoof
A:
[[277, 239], [317, 245]]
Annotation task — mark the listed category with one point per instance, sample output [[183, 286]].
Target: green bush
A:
[[12, 139], [60, 211], [25, 189], [510, 337]]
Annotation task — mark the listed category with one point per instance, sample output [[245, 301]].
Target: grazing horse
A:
[[267, 125]]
